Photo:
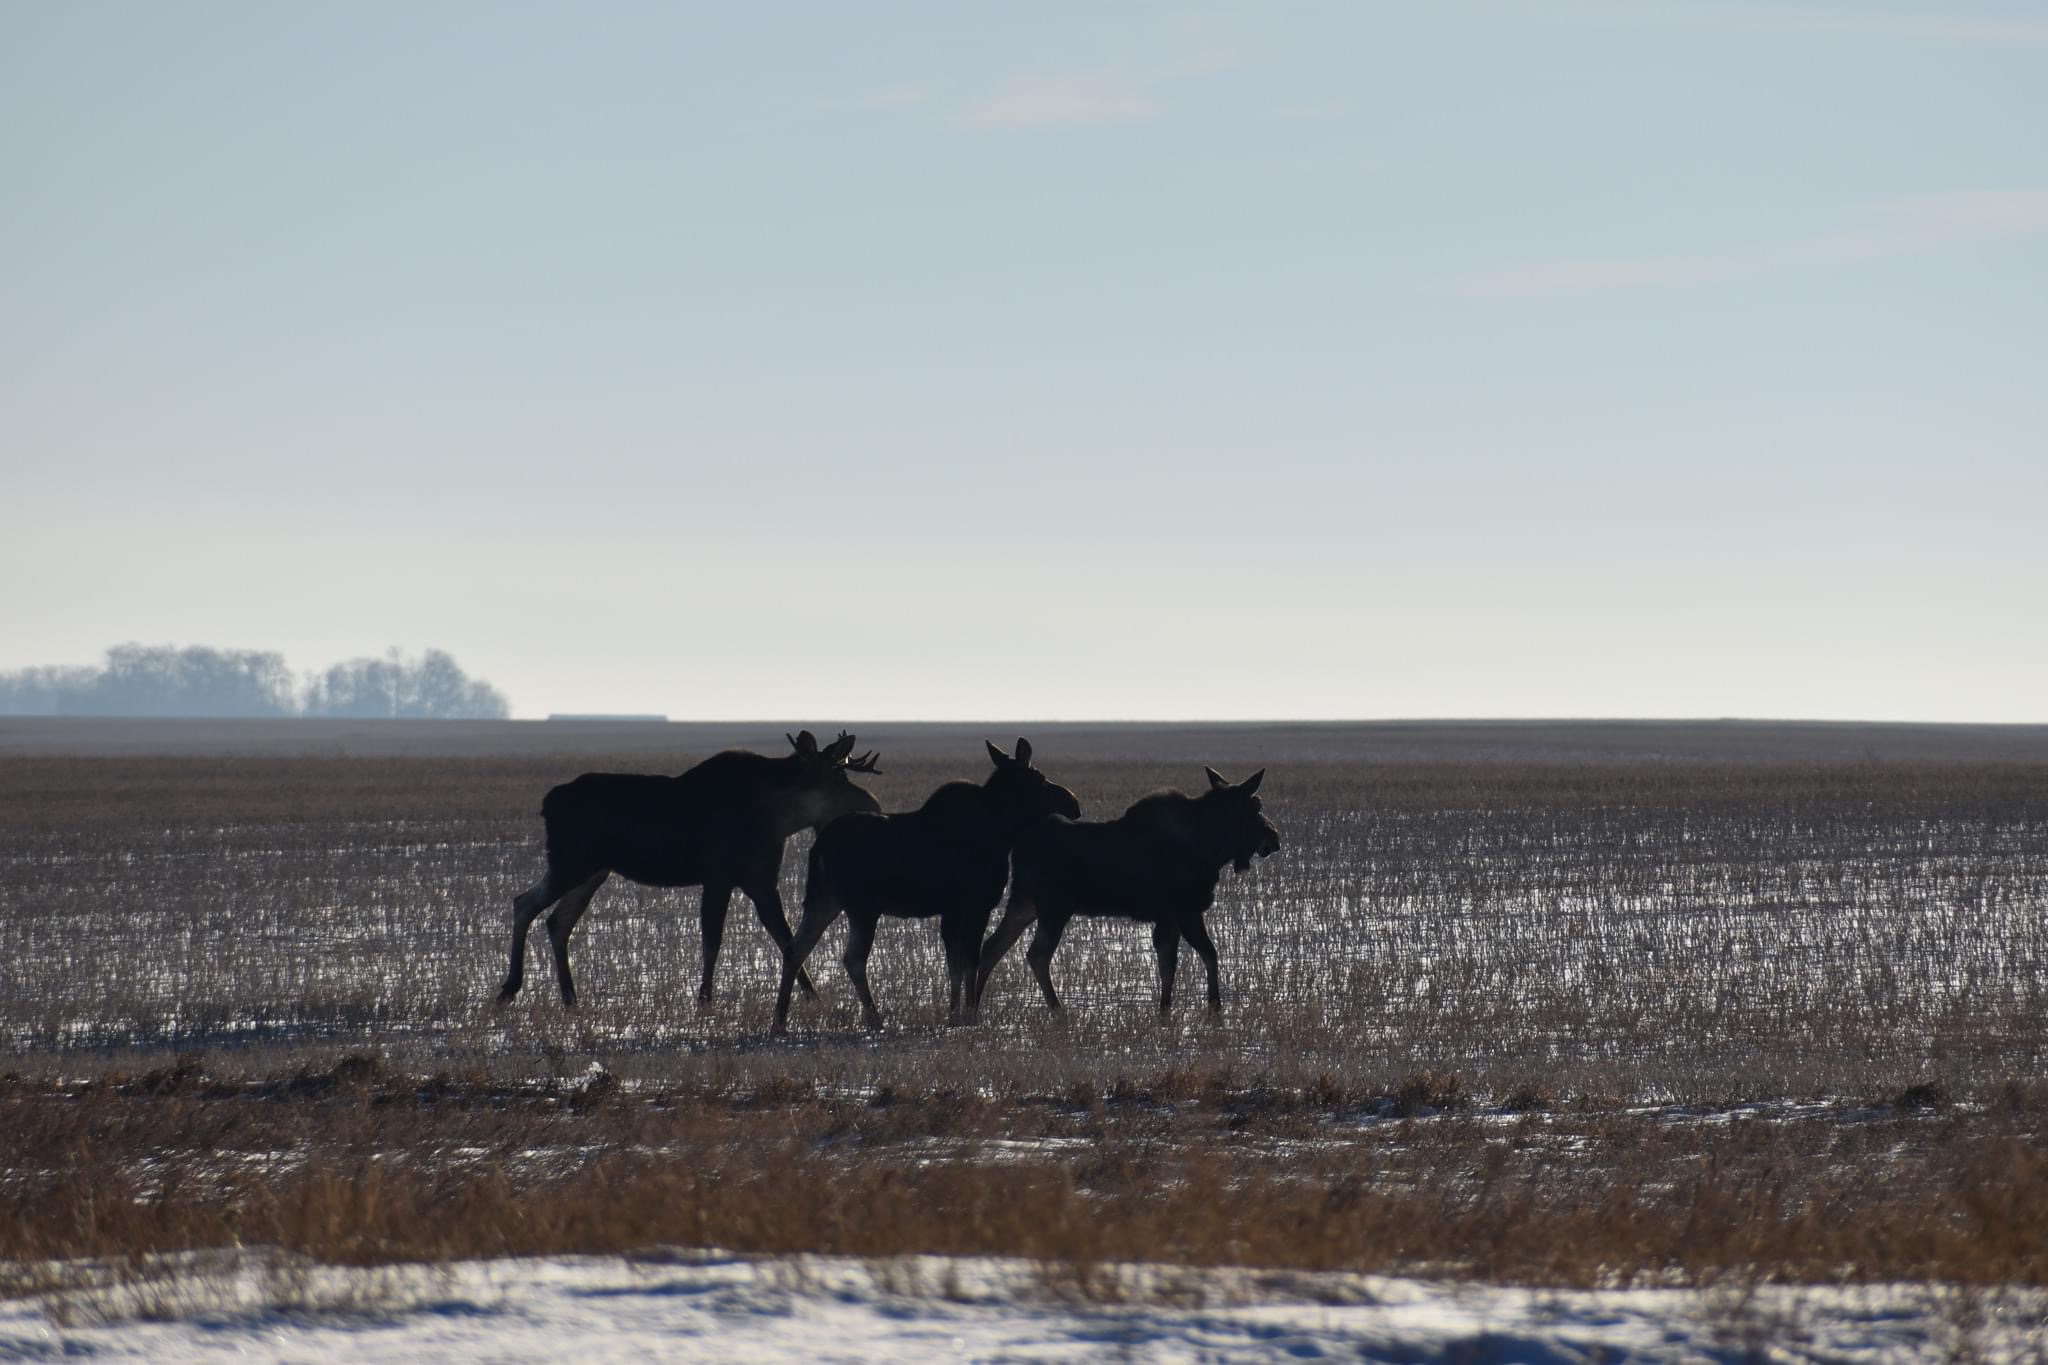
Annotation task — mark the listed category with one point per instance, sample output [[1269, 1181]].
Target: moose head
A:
[[1025, 792], [1230, 816], [823, 790]]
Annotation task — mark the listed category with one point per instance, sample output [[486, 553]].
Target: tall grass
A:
[[364, 1166]]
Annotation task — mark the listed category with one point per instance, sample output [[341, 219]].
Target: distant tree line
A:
[[163, 680]]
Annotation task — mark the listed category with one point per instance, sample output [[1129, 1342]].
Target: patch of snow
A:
[[691, 1306]]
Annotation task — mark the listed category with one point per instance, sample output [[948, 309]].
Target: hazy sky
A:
[[810, 362]]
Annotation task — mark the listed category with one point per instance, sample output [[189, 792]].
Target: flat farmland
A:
[[1697, 928], [1562, 1003]]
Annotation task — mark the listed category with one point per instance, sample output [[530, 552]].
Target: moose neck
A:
[[796, 801]]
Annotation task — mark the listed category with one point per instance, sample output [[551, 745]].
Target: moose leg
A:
[[562, 923], [1044, 944], [820, 909], [711, 919], [525, 909], [1015, 921], [767, 899], [1197, 935], [963, 957], [1166, 943], [860, 937]]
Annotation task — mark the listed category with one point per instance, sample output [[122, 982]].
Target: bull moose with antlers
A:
[[721, 825]]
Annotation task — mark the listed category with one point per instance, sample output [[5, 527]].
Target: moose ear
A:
[[838, 749], [1216, 781], [996, 756], [1251, 784], [804, 742], [1023, 751]]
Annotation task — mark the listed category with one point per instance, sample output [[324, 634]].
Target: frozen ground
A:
[[823, 1309]]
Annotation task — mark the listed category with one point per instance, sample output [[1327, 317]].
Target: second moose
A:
[[950, 859]]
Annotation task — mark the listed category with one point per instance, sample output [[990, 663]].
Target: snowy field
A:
[[691, 1307]]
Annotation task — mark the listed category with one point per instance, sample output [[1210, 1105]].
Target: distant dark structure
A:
[[949, 858], [720, 825], [164, 680], [1157, 864]]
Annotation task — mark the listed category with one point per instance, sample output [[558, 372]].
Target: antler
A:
[[866, 763]]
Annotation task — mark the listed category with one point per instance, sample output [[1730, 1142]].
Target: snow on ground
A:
[[691, 1307]]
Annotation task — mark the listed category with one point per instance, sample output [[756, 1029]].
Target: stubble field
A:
[[1564, 1006]]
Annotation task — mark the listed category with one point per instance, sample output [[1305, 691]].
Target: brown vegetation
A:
[[360, 1165]]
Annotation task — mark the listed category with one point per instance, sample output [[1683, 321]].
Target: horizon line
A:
[[647, 719]]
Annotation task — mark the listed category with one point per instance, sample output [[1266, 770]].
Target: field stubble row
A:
[[1689, 932]]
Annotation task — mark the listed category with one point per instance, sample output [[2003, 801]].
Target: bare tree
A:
[[432, 687], [164, 680]]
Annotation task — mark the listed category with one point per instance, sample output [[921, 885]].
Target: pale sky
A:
[[1060, 361]]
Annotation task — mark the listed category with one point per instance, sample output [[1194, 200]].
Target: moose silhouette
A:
[[1158, 863], [949, 858], [721, 825]]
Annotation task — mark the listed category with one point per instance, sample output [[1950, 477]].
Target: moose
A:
[[1157, 864], [950, 858], [720, 825]]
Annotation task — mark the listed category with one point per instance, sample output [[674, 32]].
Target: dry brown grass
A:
[[363, 1166]]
